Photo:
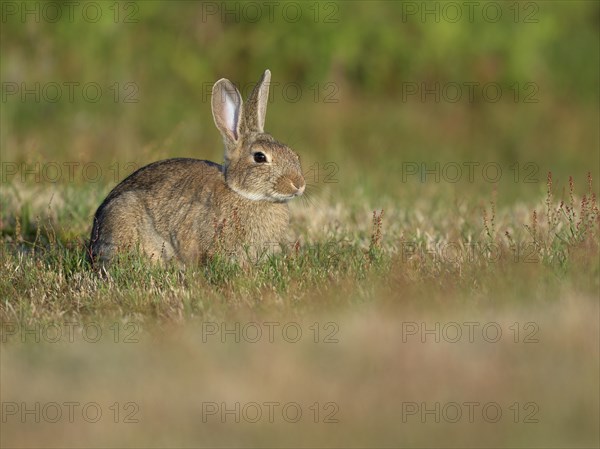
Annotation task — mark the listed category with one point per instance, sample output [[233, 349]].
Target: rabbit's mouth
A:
[[284, 198], [287, 188], [273, 197], [283, 191], [276, 197]]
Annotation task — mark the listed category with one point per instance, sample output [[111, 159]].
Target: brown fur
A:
[[185, 210]]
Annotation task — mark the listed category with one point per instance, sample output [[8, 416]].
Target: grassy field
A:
[[439, 283]]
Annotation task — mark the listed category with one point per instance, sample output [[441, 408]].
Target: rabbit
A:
[[187, 210]]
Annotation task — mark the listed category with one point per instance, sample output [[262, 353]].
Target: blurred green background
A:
[[342, 74]]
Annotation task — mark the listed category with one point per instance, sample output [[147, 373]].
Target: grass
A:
[[401, 293], [48, 275], [361, 278]]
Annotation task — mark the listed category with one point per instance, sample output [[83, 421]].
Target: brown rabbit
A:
[[186, 210]]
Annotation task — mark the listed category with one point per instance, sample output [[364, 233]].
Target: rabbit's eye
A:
[[260, 158]]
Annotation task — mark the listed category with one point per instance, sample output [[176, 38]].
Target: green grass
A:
[[464, 251]]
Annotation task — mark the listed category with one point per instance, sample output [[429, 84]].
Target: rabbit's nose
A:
[[299, 190]]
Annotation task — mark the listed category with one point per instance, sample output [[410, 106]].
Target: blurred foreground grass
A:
[[370, 375]]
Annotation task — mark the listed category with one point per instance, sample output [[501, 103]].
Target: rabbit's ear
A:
[[256, 108], [227, 110]]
